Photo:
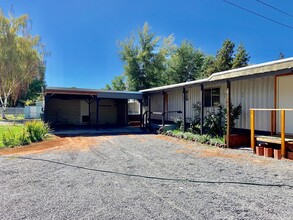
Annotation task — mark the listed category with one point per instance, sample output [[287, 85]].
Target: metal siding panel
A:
[[254, 93]]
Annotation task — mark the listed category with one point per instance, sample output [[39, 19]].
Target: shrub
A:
[[11, 138], [195, 124], [37, 130]]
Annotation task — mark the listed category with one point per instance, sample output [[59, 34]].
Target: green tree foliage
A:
[[224, 57], [208, 66], [118, 84], [21, 55], [185, 64], [36, 86], [144, 59], [241, 58], [281, 56]]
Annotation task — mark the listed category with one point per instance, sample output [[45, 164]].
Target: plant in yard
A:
[[179, 124], [11, 138], [216, 121], [195, 124], [37, 130]]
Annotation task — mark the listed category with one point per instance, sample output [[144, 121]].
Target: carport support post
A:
[[228, 103], [184, 109], [47, 99], [202, 108], [150, 111], [89, 112], [140, 113], [163, 109], [97, 117]]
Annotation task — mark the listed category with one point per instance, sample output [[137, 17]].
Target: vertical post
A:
[[202, 108], [184, 109], [89, 112], [283, 144], [140, 113], [150, 111], [97, 119], [272, 122], [163, 109], [228, 106], [252, 127]]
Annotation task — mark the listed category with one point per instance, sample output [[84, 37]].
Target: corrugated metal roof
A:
[[248, 71], [95, 92]]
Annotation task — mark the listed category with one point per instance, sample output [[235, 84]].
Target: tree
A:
[[241, 58], [281, 56], [144, 59], [185, 63], [118, 84], [21, 55], [208, 66], [224, 57]]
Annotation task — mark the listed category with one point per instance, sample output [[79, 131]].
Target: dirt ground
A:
[[141, 177]]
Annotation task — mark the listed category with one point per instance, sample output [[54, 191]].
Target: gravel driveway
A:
[[143, 177]]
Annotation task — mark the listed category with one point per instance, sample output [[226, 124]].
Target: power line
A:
[[259, 15], [270, 6]]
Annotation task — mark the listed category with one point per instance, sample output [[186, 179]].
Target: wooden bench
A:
[[272, 139]]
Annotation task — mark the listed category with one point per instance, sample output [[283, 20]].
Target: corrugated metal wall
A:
[[254, 93], [251, 93]]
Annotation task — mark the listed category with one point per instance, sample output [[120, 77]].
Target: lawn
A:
[[4, 128]]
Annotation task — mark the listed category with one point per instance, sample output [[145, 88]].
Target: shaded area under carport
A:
[[78, 131]]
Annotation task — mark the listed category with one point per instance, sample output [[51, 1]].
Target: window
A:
[[211, 97]]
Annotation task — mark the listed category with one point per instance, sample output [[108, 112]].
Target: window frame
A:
[[212, 97]]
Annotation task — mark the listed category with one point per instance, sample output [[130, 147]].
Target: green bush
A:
[[37, 130], [11, 138]]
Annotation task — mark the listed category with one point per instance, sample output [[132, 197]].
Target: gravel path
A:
[[145, 177]]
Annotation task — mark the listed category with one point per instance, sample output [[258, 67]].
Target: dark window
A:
[[85, 118], [212, 97]]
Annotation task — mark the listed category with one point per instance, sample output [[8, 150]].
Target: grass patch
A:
[[9, 128], [31, 131]]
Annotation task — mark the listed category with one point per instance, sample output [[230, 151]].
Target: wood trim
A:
[[274, 117]]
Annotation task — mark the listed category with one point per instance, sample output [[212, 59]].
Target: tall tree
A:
[[241, 58], [185, 64], [224, 57], [281, 56], [118, 84], [208, 66], [144, 59], [21, 55]]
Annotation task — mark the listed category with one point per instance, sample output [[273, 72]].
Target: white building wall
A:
[[254, 93], [250, 93]]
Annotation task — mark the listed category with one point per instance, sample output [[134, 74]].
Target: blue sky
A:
[[82, 35]]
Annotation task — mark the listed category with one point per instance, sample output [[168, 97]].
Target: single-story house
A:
[[267, 85]]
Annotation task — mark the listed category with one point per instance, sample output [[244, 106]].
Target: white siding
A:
[[254, 93], [175, 104], [250, 93]]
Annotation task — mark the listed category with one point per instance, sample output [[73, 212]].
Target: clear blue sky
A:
[[82, 35]]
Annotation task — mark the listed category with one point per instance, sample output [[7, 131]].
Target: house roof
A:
[[273, 67], [94, 92]]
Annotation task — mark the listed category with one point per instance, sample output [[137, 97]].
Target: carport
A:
[[88, 107]]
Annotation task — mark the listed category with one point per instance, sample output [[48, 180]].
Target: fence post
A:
[[252, 127], [283, 144]]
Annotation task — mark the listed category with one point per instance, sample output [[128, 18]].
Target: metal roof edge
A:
[[218, 74]]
